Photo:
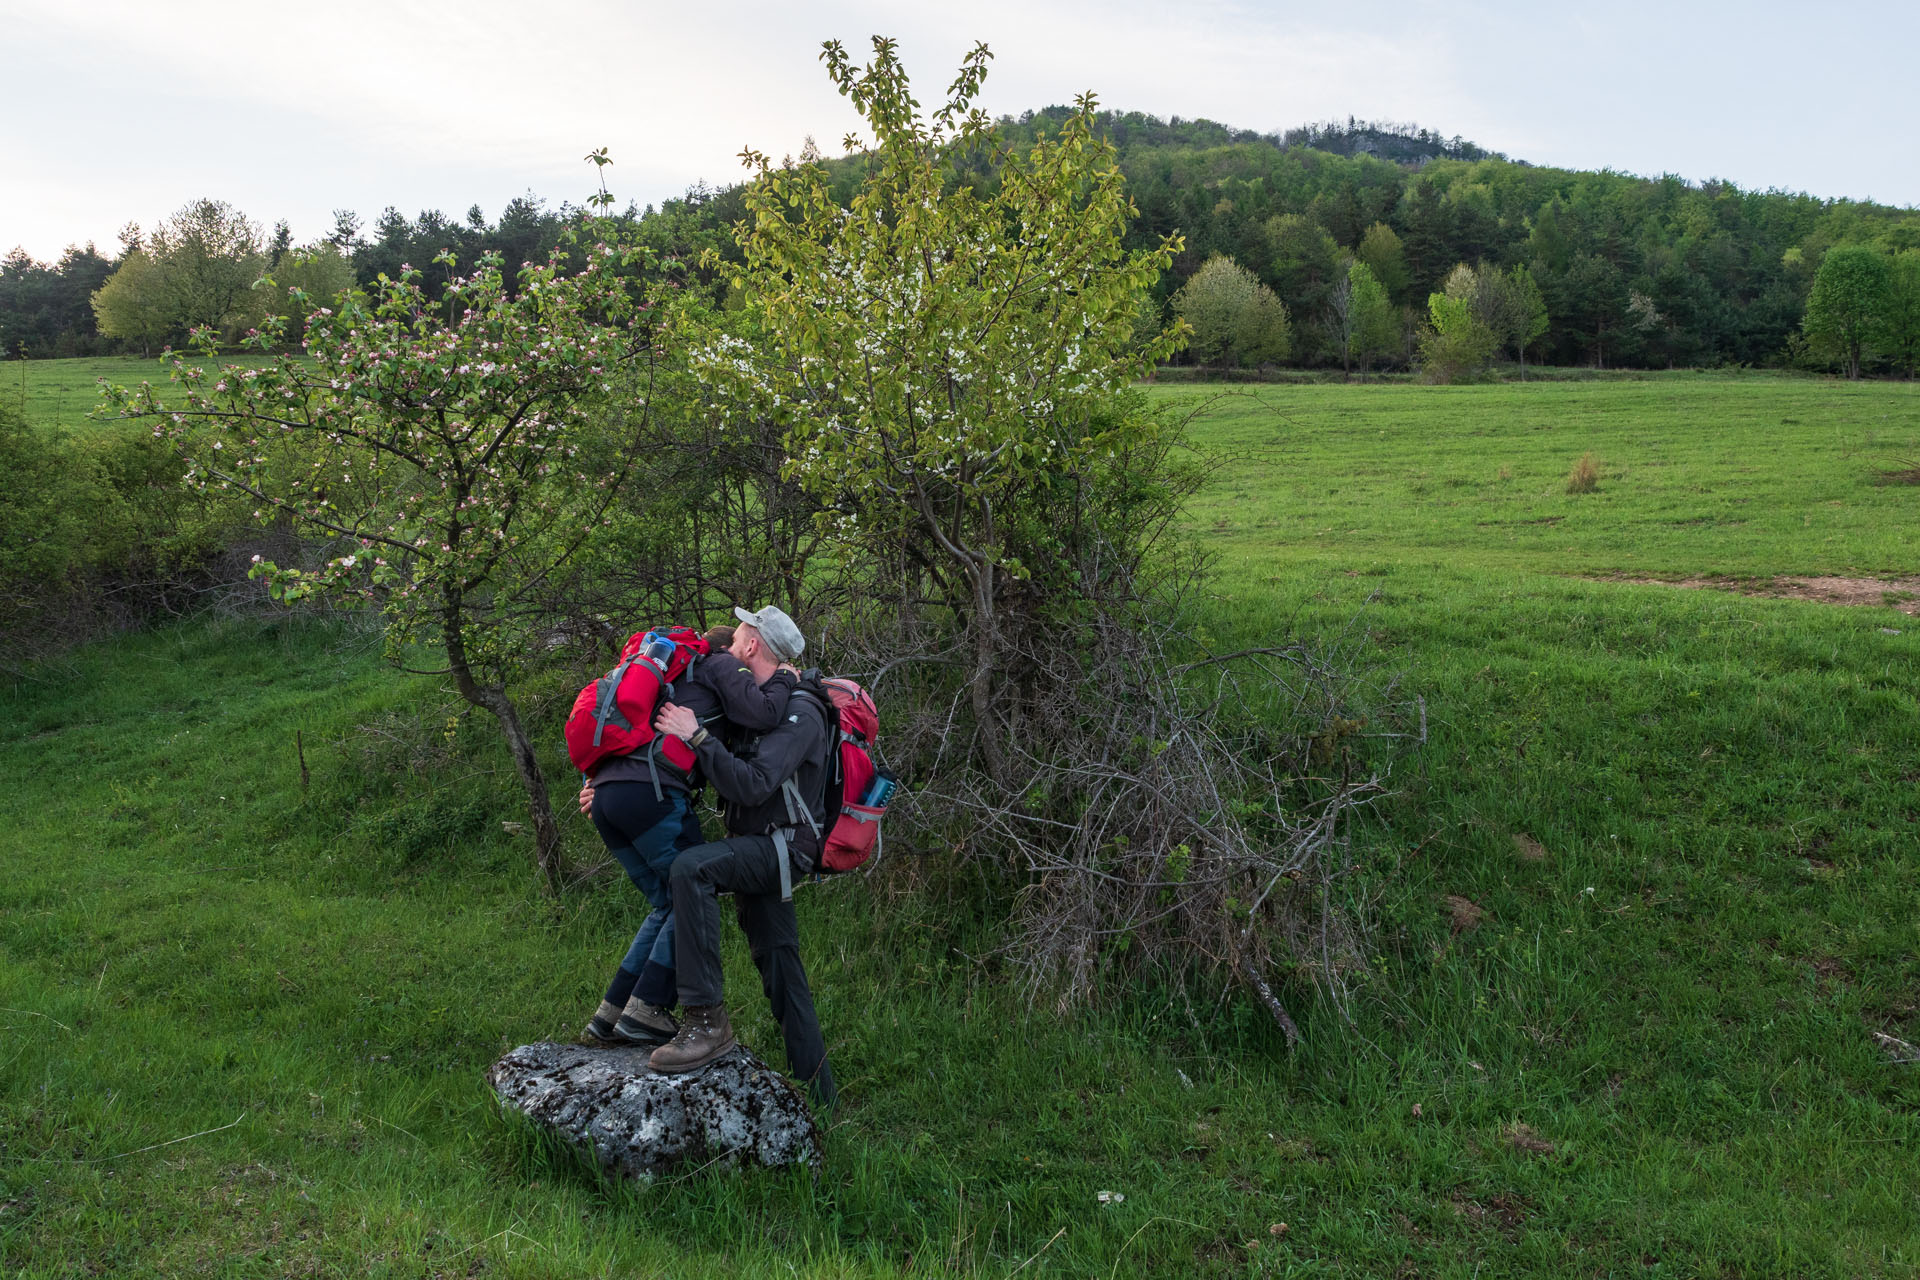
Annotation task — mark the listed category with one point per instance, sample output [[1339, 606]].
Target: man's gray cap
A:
[[777, 629]]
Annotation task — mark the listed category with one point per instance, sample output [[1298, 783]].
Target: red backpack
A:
[[613, 716], [856, 830]]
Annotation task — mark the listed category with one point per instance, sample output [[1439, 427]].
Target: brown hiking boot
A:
[[704, 1036], [643, 1023]]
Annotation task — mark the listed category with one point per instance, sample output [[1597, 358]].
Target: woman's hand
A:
[[586, 799]]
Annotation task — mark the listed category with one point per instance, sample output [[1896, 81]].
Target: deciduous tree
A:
[[1381, 250], [1457, 341], [318, 273], [1376, 324], [1341, 319], [456, 463], [208, 256], [1235, 319], [1509, 304], [1899, 334], [943, 353], [1849, 295], [135, 304]]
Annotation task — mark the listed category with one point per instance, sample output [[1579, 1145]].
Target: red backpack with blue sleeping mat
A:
[[613, 716]]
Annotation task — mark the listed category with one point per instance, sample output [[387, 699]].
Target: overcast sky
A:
[[124, 110]]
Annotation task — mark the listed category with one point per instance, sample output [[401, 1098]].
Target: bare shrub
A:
[[1171, 810], [1585, 476]]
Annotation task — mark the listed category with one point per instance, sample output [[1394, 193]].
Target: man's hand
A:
[[586, 798], [676, 720]]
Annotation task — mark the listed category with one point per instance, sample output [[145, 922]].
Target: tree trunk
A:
[[546, 832], [533, 779], [986, 644]]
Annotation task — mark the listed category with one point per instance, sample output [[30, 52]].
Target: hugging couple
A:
[[759, 735]]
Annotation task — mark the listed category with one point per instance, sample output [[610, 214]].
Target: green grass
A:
[[61, 393], [1699, 474], [1678, 997]]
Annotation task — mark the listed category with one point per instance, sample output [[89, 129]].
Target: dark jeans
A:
[[745, 866], [645, 835]]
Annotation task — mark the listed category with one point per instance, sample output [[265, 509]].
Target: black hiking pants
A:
[[746, 866]]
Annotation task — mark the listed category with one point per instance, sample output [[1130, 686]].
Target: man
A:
[[774, 786]]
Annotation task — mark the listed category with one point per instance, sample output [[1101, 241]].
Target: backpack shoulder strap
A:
[[604, 711], [810, 690]]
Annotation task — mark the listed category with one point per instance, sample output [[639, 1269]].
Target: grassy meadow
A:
[[1650, 890], [61, 393]]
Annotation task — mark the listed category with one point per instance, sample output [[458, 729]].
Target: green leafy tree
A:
[[943, 353], [1384, 256], [209, 256], [1235, 319], [1509, 304], [1524, 317], [317, 273], [1844, 309], [1375, 324], [1304, 266], [1899, 334], [456, 463], [1457, 341], [135, 304]]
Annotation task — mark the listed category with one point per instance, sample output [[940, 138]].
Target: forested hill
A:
[[1384, 140], [1649, 272], [1634, 271]]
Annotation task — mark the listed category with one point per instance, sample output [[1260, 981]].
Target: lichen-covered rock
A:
[[638, 1122]]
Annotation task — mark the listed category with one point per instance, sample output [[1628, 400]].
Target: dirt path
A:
[[1891, 593]]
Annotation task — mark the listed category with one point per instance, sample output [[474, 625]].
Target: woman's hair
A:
[[719, 638]]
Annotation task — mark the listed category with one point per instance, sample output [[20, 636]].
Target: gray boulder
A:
[[639, 1123]]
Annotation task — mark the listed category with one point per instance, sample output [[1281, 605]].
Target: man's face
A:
[[746, 642]]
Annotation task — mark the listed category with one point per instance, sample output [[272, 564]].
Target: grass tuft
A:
[[1585, 476]]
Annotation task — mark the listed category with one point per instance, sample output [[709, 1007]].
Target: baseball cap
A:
[[777, 629]]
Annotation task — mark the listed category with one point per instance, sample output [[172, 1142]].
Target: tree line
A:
[[1630, 272], [1633, 272]]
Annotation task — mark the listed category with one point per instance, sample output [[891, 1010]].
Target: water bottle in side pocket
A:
[[880, 790]]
